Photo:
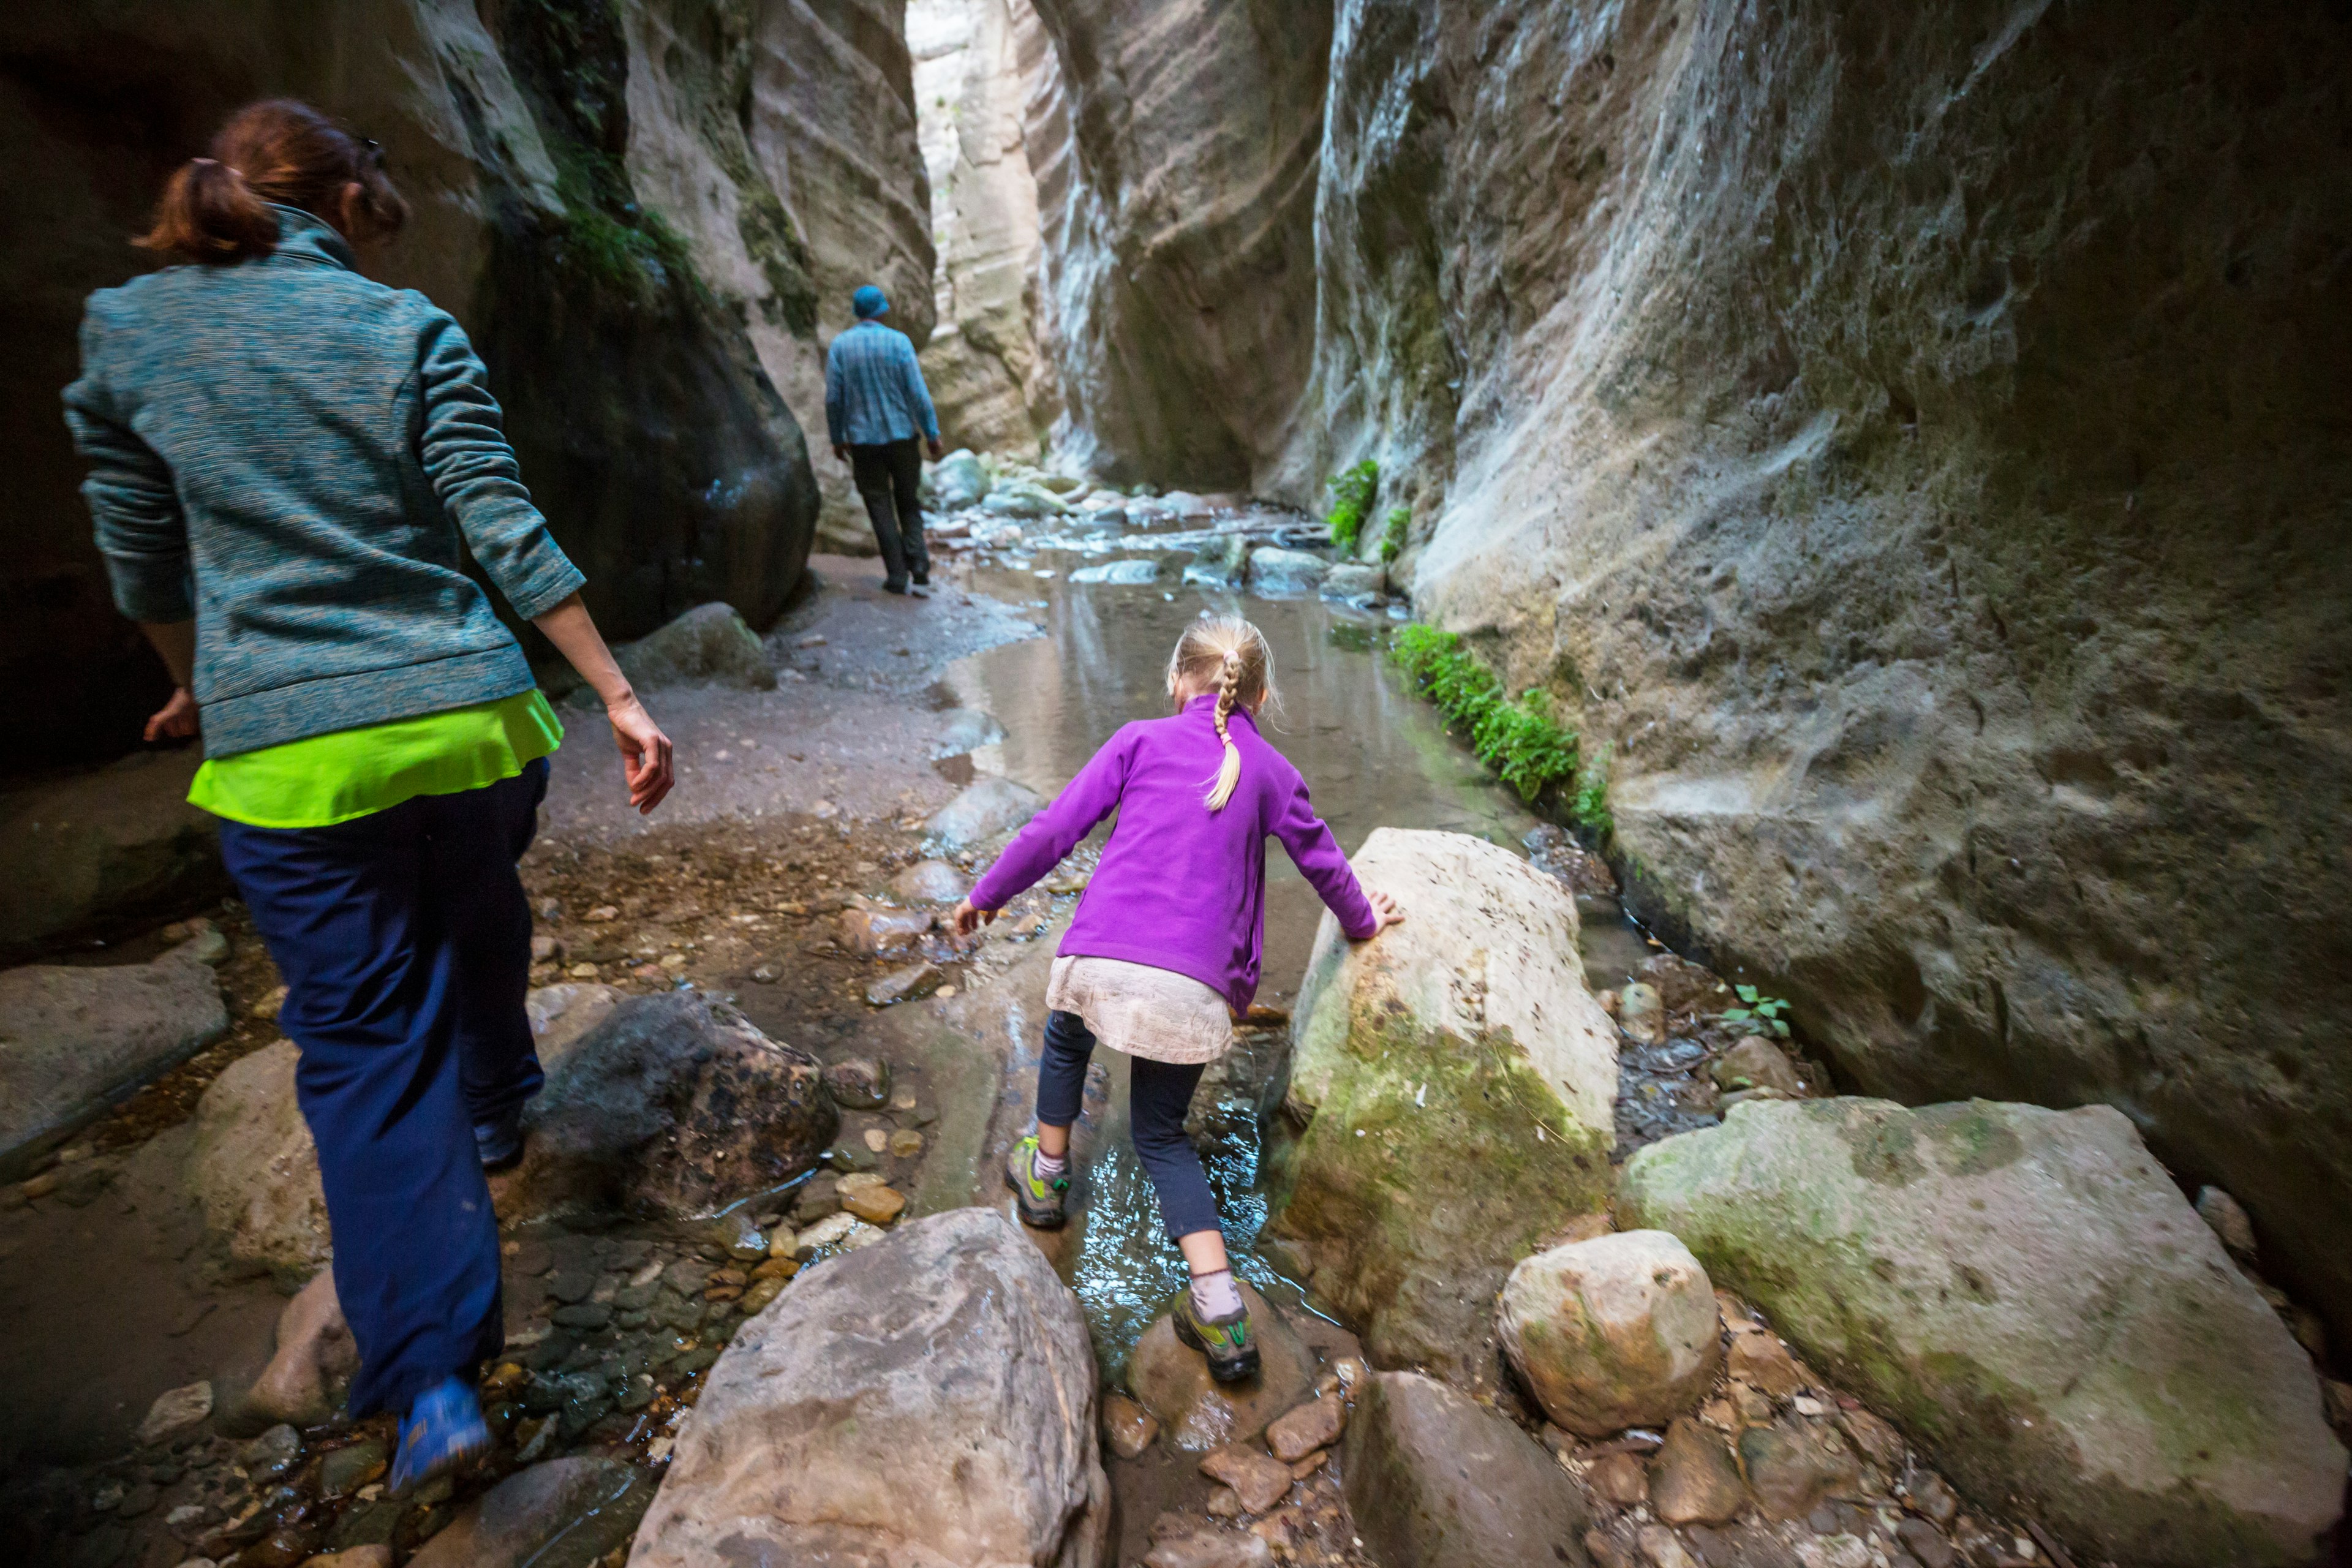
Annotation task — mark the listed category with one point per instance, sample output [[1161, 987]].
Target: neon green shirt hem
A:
[[328, 779]]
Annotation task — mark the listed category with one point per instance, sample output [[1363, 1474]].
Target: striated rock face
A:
[[1914, 443], [1450, 1099], [1179, 229], [2031, 1297], [992, 382], [648, 215]]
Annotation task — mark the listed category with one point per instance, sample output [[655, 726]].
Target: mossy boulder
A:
[[1450, 1100], [2028, 1294]]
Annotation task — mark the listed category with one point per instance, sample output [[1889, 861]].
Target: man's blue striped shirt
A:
[[874, 390]]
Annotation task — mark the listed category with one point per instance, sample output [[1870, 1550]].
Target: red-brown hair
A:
[[216, 209]]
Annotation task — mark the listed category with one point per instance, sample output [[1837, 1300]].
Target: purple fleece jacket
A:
[[1181, 887]]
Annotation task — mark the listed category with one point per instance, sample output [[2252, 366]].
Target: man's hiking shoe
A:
[[893, 584], [441, 1431], [1038, 1198], [1231, 1349]]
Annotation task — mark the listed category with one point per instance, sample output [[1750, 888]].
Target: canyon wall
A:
[[1179, 224], [1916, 442], [649, 216], [989, 373]]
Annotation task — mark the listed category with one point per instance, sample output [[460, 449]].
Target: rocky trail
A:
[[1563, 1250]]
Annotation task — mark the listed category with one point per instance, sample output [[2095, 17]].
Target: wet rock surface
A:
[[2033, 1268], [562, 1513], [1171, 1380], [929, 1400]]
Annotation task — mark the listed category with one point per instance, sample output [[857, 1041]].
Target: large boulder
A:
[[927, 1402], [673, 1106], [255, 1172], [1433, 1478], [1456, 1084], [709, 643], [958, 481], [983, 811], [92, 855], [74, 1038], [1281, 574], [1621, 1331], [2030, 1298]]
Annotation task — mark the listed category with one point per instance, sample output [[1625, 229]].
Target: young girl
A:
[[1164, 953]]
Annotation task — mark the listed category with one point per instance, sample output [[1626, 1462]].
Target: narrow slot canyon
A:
[[1805, 546]]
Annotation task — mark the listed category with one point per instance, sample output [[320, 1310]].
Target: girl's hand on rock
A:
[[966, 920], [644, 754], [176, 719], [1385, 912]]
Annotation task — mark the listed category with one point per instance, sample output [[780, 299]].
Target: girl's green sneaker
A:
[[1231, 1349], [1038, 1198]]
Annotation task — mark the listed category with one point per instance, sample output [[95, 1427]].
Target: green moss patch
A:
[[1352, 502], [1518, 737]]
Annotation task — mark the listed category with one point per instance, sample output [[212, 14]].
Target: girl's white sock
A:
[[1216, 1295], [1049, 1167]]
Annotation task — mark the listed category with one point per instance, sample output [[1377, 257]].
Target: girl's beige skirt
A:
[[1155, 1013]]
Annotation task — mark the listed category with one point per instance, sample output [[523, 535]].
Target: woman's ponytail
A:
[[215, 209], [209, 214], [1229, 771]]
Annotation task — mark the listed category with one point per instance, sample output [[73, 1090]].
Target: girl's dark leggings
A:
[[1159, 1095]]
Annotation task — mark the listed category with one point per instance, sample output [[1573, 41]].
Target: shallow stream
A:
[[1374, 753]]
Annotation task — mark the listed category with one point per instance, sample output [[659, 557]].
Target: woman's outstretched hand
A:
[[644, 754], [176, 719], [1385, 912], [966, 920]]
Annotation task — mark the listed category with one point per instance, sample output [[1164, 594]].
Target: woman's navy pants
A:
[[1157, 1096], [404, 941]]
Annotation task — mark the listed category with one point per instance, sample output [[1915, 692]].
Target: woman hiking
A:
[[286, 463], [1164, 953]]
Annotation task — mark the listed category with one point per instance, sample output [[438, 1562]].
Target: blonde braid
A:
[[1229, 772]]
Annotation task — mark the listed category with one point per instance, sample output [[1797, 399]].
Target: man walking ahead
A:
[[874, 406]]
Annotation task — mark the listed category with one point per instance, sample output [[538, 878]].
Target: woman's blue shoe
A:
[[441, 1431]]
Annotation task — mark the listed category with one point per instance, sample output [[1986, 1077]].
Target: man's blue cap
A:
[[868, 303]]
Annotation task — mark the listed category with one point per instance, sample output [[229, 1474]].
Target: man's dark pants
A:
[[888, 478], [405, 939]]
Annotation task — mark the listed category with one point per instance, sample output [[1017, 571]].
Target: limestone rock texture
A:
[[73, 1037], [1449, 1101], [1175, 147], [649, 216], [672, 1106], [1913, 440], [2030, 1298], [927, 1402], [255, 1170], [1432, 1476], [1621, 1331], [989, 374]]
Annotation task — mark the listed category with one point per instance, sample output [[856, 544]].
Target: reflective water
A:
[[1374, 754]]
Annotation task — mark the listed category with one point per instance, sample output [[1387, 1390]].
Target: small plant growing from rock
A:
[[1400, 517], [1763, 1015], [1352, 502], [1519, 738]]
